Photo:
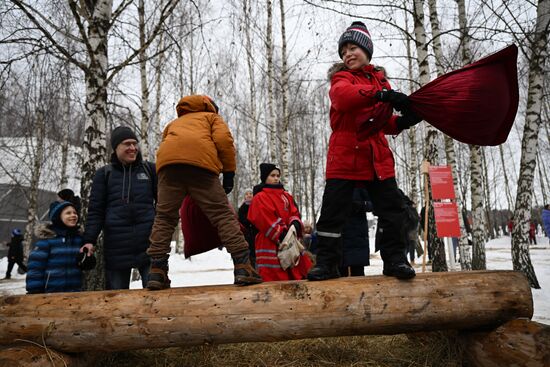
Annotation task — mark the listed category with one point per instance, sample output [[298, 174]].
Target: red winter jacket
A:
[[271, 211], [352, 103]]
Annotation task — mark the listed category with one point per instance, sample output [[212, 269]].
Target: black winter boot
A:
[[158, 275], [400, 270], [323, 272], [244, 273]]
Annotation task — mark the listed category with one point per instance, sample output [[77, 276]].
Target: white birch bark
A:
[[439, 262], [66, 119], [271, 120], [285, 146], [37, 145], [509, 199], [478, 213], [253, 150], [450, 153], [539, 53], [413, 166], [144, 133]]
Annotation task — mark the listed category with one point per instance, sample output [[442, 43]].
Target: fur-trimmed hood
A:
[[45, 231], [340, 66]]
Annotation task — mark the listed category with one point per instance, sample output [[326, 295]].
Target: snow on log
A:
[[134, 319], [516, 343]]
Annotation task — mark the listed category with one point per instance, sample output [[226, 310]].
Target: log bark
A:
[[134, 319], [26, 355], [516, 343]]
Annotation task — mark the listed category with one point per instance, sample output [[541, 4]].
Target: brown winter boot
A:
[[244, 273], [158, 275]]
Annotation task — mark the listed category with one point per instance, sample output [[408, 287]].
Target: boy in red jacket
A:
[[359, 95]]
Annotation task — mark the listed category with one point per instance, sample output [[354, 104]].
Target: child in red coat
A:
[[272, 211]]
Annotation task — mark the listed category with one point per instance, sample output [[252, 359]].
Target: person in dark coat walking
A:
[[53, 261], [546, 219], [249, 229], [15, 252], [122, 205], [355, 236], [361, 100]]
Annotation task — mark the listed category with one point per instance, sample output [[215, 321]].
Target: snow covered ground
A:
[[215, 267]]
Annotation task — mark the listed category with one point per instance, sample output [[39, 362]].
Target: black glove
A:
[[398, 100], [407, 120], [298, 227], [283, 235], [228, 181]]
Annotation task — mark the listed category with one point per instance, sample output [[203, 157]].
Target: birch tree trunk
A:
[[144, 135], [478, 215], [158, 89], [413, 166], [489, 228], [506, 182], [66, 118], [522, 214], [439, 262], [450, 154], [271, 121], [95, 152], [285, 146], [37, 145], [253, 149]]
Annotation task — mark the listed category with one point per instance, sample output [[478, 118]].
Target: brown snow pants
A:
[[174, 183]]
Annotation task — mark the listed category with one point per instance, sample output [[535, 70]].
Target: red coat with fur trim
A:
[[352, 103], [271, 211]]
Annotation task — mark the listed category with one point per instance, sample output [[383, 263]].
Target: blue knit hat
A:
[[55, 211], [16, 232]]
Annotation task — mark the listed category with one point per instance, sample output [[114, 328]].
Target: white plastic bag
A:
[[290, 249]]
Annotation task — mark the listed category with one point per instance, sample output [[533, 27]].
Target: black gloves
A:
[[398, 100], [296, 225], [227, 182], [407, 120]]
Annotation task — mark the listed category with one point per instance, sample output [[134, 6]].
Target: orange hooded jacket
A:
[[198, 137]]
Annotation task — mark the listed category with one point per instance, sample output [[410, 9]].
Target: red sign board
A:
[[441, 180], [446, 220]]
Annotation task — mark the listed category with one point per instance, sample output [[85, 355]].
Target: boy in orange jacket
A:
[[195, 148]]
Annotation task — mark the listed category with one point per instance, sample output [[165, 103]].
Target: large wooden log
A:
[[28, 355], [516, 343], [124, 320]]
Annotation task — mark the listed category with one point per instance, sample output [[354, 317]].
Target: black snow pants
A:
[[389, 207]]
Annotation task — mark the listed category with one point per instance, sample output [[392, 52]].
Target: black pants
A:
[[388, 205], [11, 263]]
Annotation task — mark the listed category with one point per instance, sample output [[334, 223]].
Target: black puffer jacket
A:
[[122, 204]]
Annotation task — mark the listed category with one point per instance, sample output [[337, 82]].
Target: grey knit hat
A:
[[358, 34]]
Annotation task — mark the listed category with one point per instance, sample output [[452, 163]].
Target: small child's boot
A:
[[158, 275], [244, 273]]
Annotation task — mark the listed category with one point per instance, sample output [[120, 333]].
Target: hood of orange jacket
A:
[[198, 137]]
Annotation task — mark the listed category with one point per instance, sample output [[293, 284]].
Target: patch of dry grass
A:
[[434, 349]]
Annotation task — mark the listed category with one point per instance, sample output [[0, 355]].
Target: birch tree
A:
[[439, 262], [449, 142], [93, 19], [538, 42]]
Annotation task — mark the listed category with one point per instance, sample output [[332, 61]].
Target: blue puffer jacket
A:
[[546, 221], [52, 263], [355, 235], [122, 204]]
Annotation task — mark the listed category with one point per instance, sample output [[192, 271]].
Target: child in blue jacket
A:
[[52, 265]]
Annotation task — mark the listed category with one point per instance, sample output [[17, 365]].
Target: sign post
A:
[[445, 212]]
